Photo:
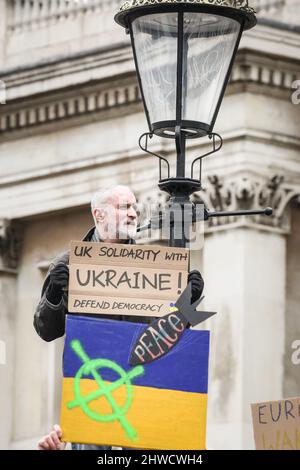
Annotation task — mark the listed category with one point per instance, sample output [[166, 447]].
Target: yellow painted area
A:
[[162, 419]]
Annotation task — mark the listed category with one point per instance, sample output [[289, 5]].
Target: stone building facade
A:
[[70, 125]]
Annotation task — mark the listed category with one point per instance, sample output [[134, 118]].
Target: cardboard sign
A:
[[105, 401], [110, 278], [277, 424]]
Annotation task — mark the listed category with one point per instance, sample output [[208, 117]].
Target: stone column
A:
[[245, 275], [9, 253], [3, 22]]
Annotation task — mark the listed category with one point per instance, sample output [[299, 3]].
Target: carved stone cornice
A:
[[10, 245], [249, 192], [243, 191], [72, 105], [253, 68], [82, 96]]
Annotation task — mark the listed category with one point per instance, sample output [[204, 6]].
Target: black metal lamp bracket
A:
[[179, 189], [204, 214]]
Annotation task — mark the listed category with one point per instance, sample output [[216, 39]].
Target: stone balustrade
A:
[[39, 30], [31, 14], [265, 6]]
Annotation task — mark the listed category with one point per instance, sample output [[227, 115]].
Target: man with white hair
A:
[[115, 215]]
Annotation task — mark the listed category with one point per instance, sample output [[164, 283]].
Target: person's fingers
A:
[[42, 445], [58, 435], [60, 275], [63, 272], [59, 282], [58, 430], [194, 271], [61, 264], [196, 279], [55, 438], [50, 442], [197, 284], [195, 275], [62, 446], [60, 271], [60, 279]]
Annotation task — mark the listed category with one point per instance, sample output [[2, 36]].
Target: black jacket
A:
[[49, 319]]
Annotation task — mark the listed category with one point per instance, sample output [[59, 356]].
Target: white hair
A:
[[100, 198]]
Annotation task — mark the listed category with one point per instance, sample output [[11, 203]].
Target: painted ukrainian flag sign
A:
[[160, 405]]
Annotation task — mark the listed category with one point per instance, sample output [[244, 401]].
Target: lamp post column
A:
[[9, 253]]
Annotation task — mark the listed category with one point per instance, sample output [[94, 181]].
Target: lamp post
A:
[[184, 52]]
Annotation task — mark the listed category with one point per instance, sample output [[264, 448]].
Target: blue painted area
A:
[[184, 368]]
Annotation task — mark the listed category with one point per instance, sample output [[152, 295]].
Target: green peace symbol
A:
[[91, 367]]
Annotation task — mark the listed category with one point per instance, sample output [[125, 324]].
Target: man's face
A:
[[120, 215]]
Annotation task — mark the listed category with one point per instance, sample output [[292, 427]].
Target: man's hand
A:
[[59, 278], [197, 284], [59, 275], [53, 440]]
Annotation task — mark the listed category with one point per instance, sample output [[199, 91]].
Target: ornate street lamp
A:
[[184, 51]]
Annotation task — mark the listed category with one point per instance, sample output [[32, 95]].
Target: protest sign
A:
[[105, 401], [276, 424], [109, 278]]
